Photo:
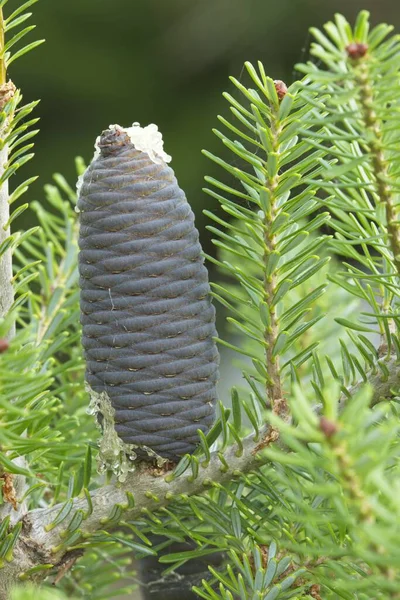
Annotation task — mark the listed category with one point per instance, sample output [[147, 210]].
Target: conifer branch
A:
[[353, 487], [40, 542], [3, 70], [7, 292], [323, 482], [147, 489], [10, 160], [376, 149], [18, 482], [385, 384], [273, 383]]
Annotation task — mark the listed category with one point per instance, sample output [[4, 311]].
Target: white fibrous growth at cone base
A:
[[146, 139]]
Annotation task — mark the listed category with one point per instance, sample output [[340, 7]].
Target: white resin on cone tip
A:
[[146, 139]]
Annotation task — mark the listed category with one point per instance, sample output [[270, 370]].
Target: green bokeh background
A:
[[158, 61]]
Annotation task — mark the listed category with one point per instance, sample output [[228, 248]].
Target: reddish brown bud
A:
[[328, 428], [3, 345], [281, 88], [356, 50]]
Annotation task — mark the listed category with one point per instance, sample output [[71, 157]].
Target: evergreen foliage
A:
[[296, 486]]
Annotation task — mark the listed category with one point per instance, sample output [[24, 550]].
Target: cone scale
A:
[[147, 318]]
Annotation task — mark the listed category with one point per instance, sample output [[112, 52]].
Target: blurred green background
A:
[[160, 61]]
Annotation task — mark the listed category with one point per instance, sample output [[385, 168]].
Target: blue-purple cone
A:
[[148, 322]]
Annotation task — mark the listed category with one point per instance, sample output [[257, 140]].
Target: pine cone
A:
[[148, 322]]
